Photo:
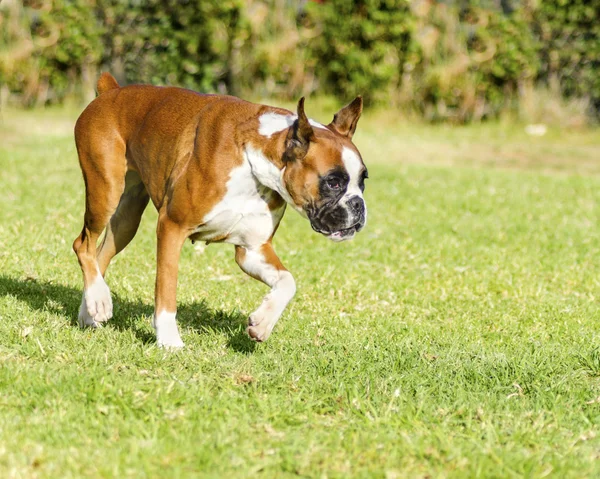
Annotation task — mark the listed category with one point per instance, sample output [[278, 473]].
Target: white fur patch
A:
[[269, 175], [167, 333], [243, 214], [255, 265], [271, 123], [354, 167], [96, 304], [283, 288]]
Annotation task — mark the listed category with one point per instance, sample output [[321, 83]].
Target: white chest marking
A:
[[243, 214], [270, 123]]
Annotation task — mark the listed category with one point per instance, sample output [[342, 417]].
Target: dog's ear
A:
[[299, 137], [345, 120]]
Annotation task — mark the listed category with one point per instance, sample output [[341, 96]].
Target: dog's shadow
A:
[[129, 315]]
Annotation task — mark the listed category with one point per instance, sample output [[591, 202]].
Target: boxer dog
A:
[[218, 169]]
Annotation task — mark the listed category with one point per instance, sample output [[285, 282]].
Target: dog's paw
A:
[[259, 327], [96, 305], [167, 333], [169, 343]]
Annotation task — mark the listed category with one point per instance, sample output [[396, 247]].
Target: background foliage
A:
[[456, 60]]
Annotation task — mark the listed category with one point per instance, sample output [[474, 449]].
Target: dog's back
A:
[[159, 133]]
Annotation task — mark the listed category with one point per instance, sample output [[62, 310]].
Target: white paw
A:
[[96, 305], [169, 343], [167, 334], [260, 325]]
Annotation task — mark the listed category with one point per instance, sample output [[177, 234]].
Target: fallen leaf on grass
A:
[[245, 379], [272, 432], [518, 393], [26, 331]]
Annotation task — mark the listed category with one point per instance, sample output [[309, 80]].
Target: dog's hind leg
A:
[[104, 169], [125, 221]]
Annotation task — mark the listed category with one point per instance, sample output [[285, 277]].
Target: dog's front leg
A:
[[170, 239], [263, 264]]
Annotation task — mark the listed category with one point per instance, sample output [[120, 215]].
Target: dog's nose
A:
[[356, 204]]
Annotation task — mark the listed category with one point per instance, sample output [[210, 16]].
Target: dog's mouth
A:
[[343, 235], [339, 235]]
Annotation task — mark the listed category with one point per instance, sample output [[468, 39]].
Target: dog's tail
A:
[[106, 82]]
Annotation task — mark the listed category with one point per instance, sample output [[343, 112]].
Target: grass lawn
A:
[[457, 336]]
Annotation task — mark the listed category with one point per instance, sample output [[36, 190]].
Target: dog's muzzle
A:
[[341, 221]]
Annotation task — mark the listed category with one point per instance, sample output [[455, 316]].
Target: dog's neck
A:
[[263, 149], [269, 172]]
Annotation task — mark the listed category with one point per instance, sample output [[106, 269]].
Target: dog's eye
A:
[[361, 183], [334, 183]]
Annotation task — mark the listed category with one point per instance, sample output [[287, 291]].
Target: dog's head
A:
[[325, 174]]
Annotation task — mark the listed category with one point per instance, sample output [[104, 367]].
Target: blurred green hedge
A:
[[455, 60]]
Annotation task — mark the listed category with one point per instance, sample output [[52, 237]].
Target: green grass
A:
[[456, 336]]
